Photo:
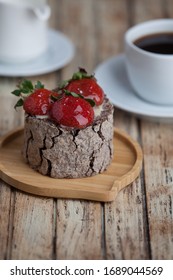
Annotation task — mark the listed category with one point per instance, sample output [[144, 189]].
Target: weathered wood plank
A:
[[167, 8], [125, 236], [111, 22], [158, 164], [157, 147], [32, 225], [5, 212], [77, 21], [33, 228], [125, 218], [79, 230], [9, 118], [147, 10]]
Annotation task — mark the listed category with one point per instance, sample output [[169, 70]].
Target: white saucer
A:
[[59, 53], [112, 76]]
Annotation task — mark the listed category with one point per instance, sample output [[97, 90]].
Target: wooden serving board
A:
[[124, 169]]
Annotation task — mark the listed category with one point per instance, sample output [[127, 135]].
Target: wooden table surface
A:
[[139, 223]]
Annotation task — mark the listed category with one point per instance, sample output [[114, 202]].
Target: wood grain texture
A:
[[9, 118], [33, 228], [124, 169], [79, 230], [159, 187], [5, 213], [147, 10], [157, 145]]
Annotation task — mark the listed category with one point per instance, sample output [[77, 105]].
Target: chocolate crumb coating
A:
[[64, 152]]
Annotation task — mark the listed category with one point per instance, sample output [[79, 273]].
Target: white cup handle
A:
[[43, 13]]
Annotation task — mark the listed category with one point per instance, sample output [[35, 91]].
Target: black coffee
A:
[[161, 43]]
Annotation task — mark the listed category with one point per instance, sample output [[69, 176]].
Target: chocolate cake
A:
[[64, 152]]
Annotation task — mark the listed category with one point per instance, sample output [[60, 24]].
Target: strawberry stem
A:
[[82, 73]]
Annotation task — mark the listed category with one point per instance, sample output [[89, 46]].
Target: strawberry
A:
[[86, 85], [35, 100], [88, 88], [72, 111], [38, 103]]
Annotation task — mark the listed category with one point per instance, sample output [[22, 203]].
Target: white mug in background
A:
[[23, 29], [150, 74]]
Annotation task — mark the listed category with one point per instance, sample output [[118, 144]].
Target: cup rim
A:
[[143, 25]]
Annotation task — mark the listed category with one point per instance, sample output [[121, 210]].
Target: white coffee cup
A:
[[23, 29], [150, 74]]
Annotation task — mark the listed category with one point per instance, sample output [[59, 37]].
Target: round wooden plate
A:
[[124, 169]]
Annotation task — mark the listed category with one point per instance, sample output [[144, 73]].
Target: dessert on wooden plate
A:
[[68, 131]]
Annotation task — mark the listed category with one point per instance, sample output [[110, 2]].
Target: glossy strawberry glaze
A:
[[88, 88], [38, 103], [72, 111]]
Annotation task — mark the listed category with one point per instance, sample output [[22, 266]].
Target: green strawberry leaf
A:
[[16, 92], [67, 92], [19, 103], [39, 85], [82, 73], [26, 86], [90, 101]]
